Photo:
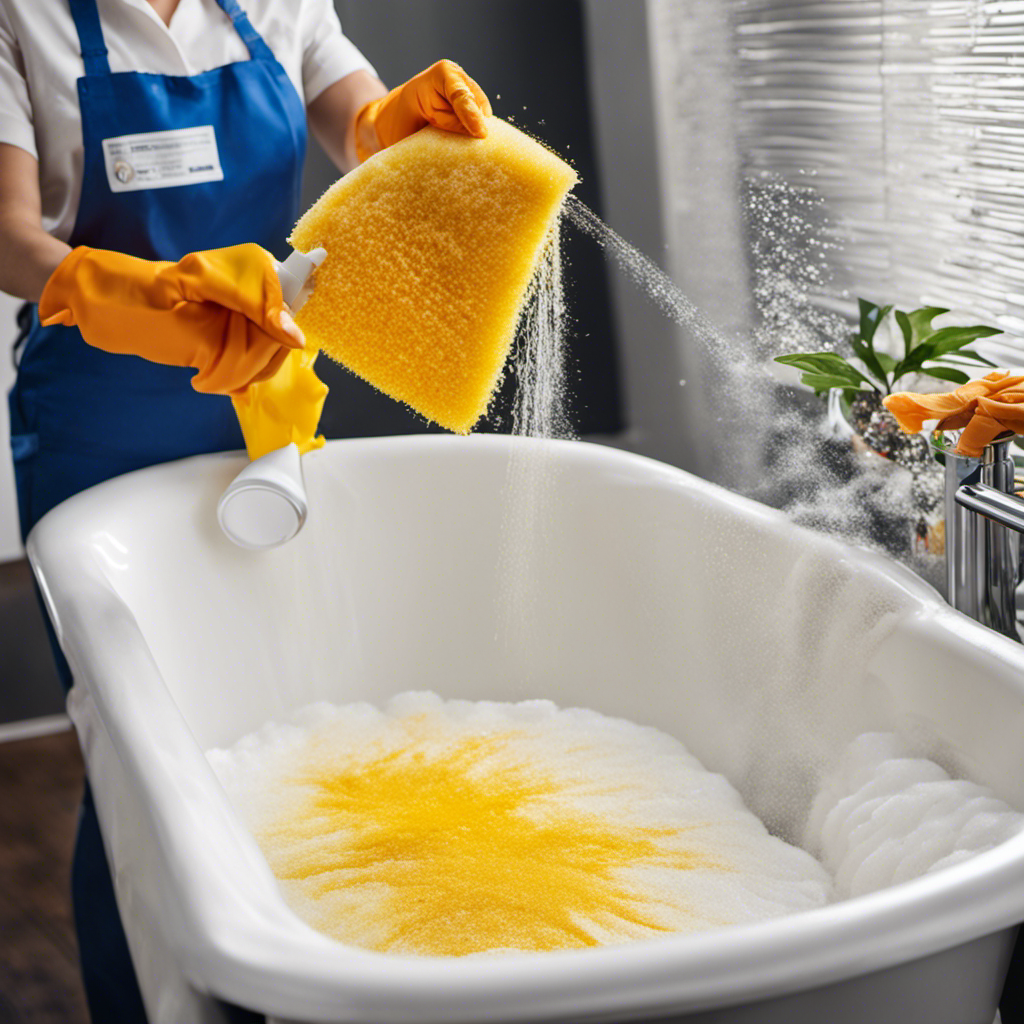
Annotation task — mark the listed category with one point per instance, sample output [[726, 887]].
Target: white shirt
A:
[[40, 63]]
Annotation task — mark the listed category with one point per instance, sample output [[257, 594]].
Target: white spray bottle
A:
[[265, 505]]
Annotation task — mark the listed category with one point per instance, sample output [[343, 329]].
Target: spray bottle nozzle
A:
[[296, 276]]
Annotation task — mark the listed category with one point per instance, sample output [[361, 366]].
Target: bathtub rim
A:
[[223, 944]]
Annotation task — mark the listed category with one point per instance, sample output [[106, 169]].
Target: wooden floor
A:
[[40, 787]]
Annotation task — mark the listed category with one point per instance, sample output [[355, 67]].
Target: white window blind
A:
[[906, 117]]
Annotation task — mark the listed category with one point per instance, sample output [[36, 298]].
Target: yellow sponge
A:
[[431, 245]]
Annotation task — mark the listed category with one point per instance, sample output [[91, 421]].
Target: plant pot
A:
[[875, 436]]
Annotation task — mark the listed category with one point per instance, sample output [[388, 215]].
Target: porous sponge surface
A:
[[431, 246], [453, 828]]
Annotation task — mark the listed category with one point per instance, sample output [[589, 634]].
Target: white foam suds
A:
[[884, 816], [462, 827], [458, 827]]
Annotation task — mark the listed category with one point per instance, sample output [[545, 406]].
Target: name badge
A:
[[183, 156]]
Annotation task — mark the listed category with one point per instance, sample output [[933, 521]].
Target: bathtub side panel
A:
[[958, 986], [643, 593]]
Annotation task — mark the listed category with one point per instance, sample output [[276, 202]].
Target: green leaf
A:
[[819, 382], [914, 361], [869, 357], [947, 373], [949, 339], [975, 357], [870, 317], [863, 344], [908, 331], [920, 321], [824, 364], [924, 350]]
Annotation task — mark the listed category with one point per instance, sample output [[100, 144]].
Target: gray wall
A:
[[650, 356]]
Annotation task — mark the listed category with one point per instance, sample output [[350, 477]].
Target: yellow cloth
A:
[[983, 409], [219, 311], [443, 96], [284, 409]]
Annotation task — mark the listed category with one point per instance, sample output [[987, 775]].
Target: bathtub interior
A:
[[570, 572]]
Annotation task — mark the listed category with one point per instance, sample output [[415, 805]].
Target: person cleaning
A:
[[151, 155]]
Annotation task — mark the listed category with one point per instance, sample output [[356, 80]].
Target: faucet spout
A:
[[984, 523], [1005, 509]]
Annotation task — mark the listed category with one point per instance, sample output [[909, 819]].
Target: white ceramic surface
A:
[[487, 567]]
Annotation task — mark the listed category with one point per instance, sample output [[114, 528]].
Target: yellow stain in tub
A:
[[454, 849]]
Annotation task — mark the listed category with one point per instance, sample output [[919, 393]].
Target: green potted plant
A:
[[891, 346], [926, 352]]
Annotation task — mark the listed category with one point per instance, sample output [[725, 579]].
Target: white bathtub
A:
[[634, 589]]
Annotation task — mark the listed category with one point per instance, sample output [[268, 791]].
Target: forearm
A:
[[28, 256], [332, 115]]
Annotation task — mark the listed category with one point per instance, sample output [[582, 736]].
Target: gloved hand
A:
[[443, 95], [220, 311]]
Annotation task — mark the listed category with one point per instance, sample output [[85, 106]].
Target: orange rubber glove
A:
[[220, 311], [443, 96]]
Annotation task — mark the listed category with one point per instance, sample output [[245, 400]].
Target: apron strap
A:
[[258, 49], [90, 36]]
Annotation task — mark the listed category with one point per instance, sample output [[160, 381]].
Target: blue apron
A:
[[79, 415]]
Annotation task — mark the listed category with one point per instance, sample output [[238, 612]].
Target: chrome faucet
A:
[[984, 523]]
